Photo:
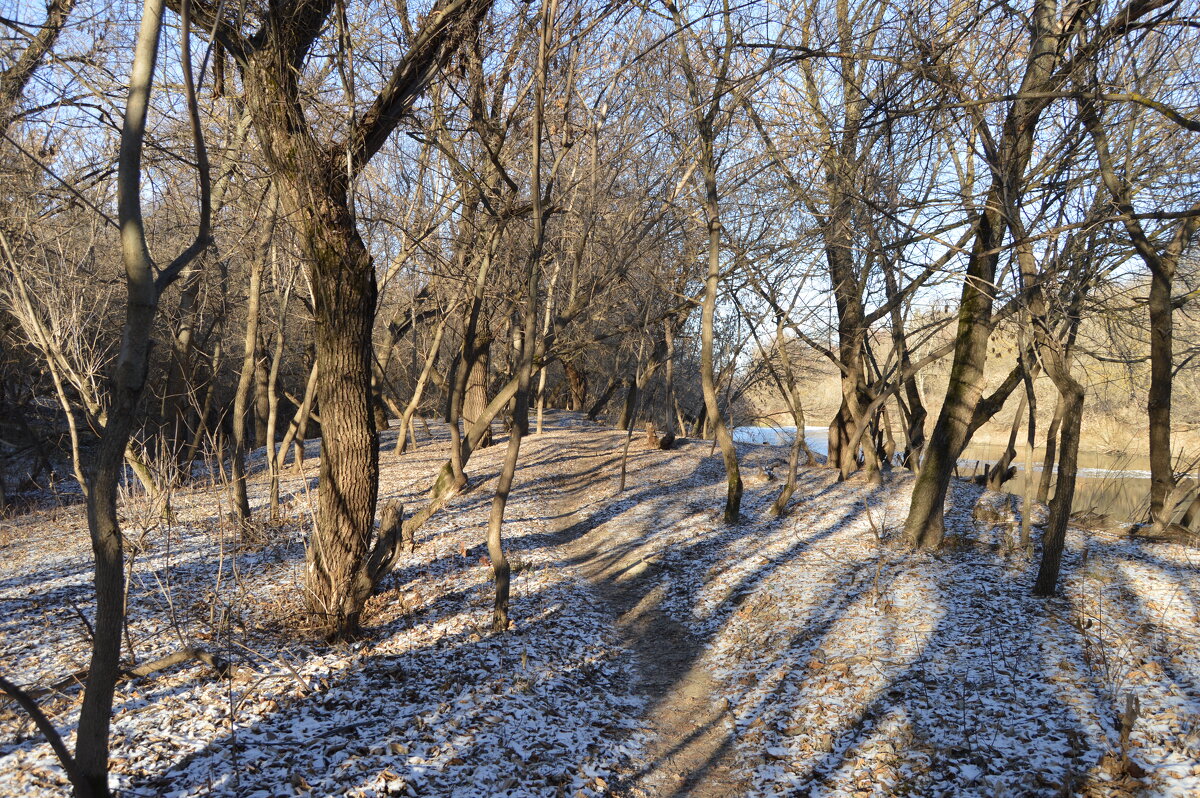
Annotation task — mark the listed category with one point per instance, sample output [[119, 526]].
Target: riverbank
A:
[[1113, 485]]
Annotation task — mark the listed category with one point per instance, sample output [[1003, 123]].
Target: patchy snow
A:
[[851, 666], [431, 703], [855, 667]]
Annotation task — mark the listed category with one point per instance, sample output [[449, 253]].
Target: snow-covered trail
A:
[[839, 663], [656, 651]]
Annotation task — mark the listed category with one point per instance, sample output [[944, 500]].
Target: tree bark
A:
[[520, 428], [319, 179], [475, 397], [1064, 490], [15, 79], [1051, 453], [705, 110], [1162, 263], [262, 395], [344, 283]]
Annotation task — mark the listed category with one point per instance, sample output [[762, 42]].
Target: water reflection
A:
[[1115, 484]]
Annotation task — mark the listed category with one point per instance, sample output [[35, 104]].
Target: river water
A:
[[1116, 485]]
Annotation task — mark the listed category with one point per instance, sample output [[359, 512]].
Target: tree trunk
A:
[[733, 477], [299, 423], [520, 426], [1162, 263], [262, 396], [577, 383], [319, 177], [249, 370], [345, 294], [475, 399], [1158, 399], [913, 411], [472, 344], [602, 400], [625, 420], [419, 389], [1051, 453], [1030, 443], [275, 454], [925, 525], [128, 384], [1064, 489], [15, 79], [843, 429], [996, 475], [546, 322]]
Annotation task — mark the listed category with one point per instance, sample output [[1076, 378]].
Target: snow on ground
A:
[[850, 666], [431, 703], [853, 667]]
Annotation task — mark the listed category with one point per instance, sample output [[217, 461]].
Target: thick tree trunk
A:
[[345, 294], [843, 429], [319, 177], [475, 399], [1158, 400]]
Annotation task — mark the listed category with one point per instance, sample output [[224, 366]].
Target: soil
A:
[[690, 748]]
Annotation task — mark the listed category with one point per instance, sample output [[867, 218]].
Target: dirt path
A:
[[690, 751]]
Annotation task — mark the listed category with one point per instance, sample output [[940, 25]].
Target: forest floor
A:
[[655, 650]]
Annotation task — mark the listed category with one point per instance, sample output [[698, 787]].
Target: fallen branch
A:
[[221, 666]]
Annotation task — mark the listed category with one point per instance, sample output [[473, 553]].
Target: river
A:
[[1116, 485]]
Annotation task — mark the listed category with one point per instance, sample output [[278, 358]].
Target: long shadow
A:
[[468, 711], [1145, 627], [969, 757], [687, 648]]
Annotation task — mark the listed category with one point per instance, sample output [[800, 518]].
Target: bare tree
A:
[[317, 184], [706, 110]]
